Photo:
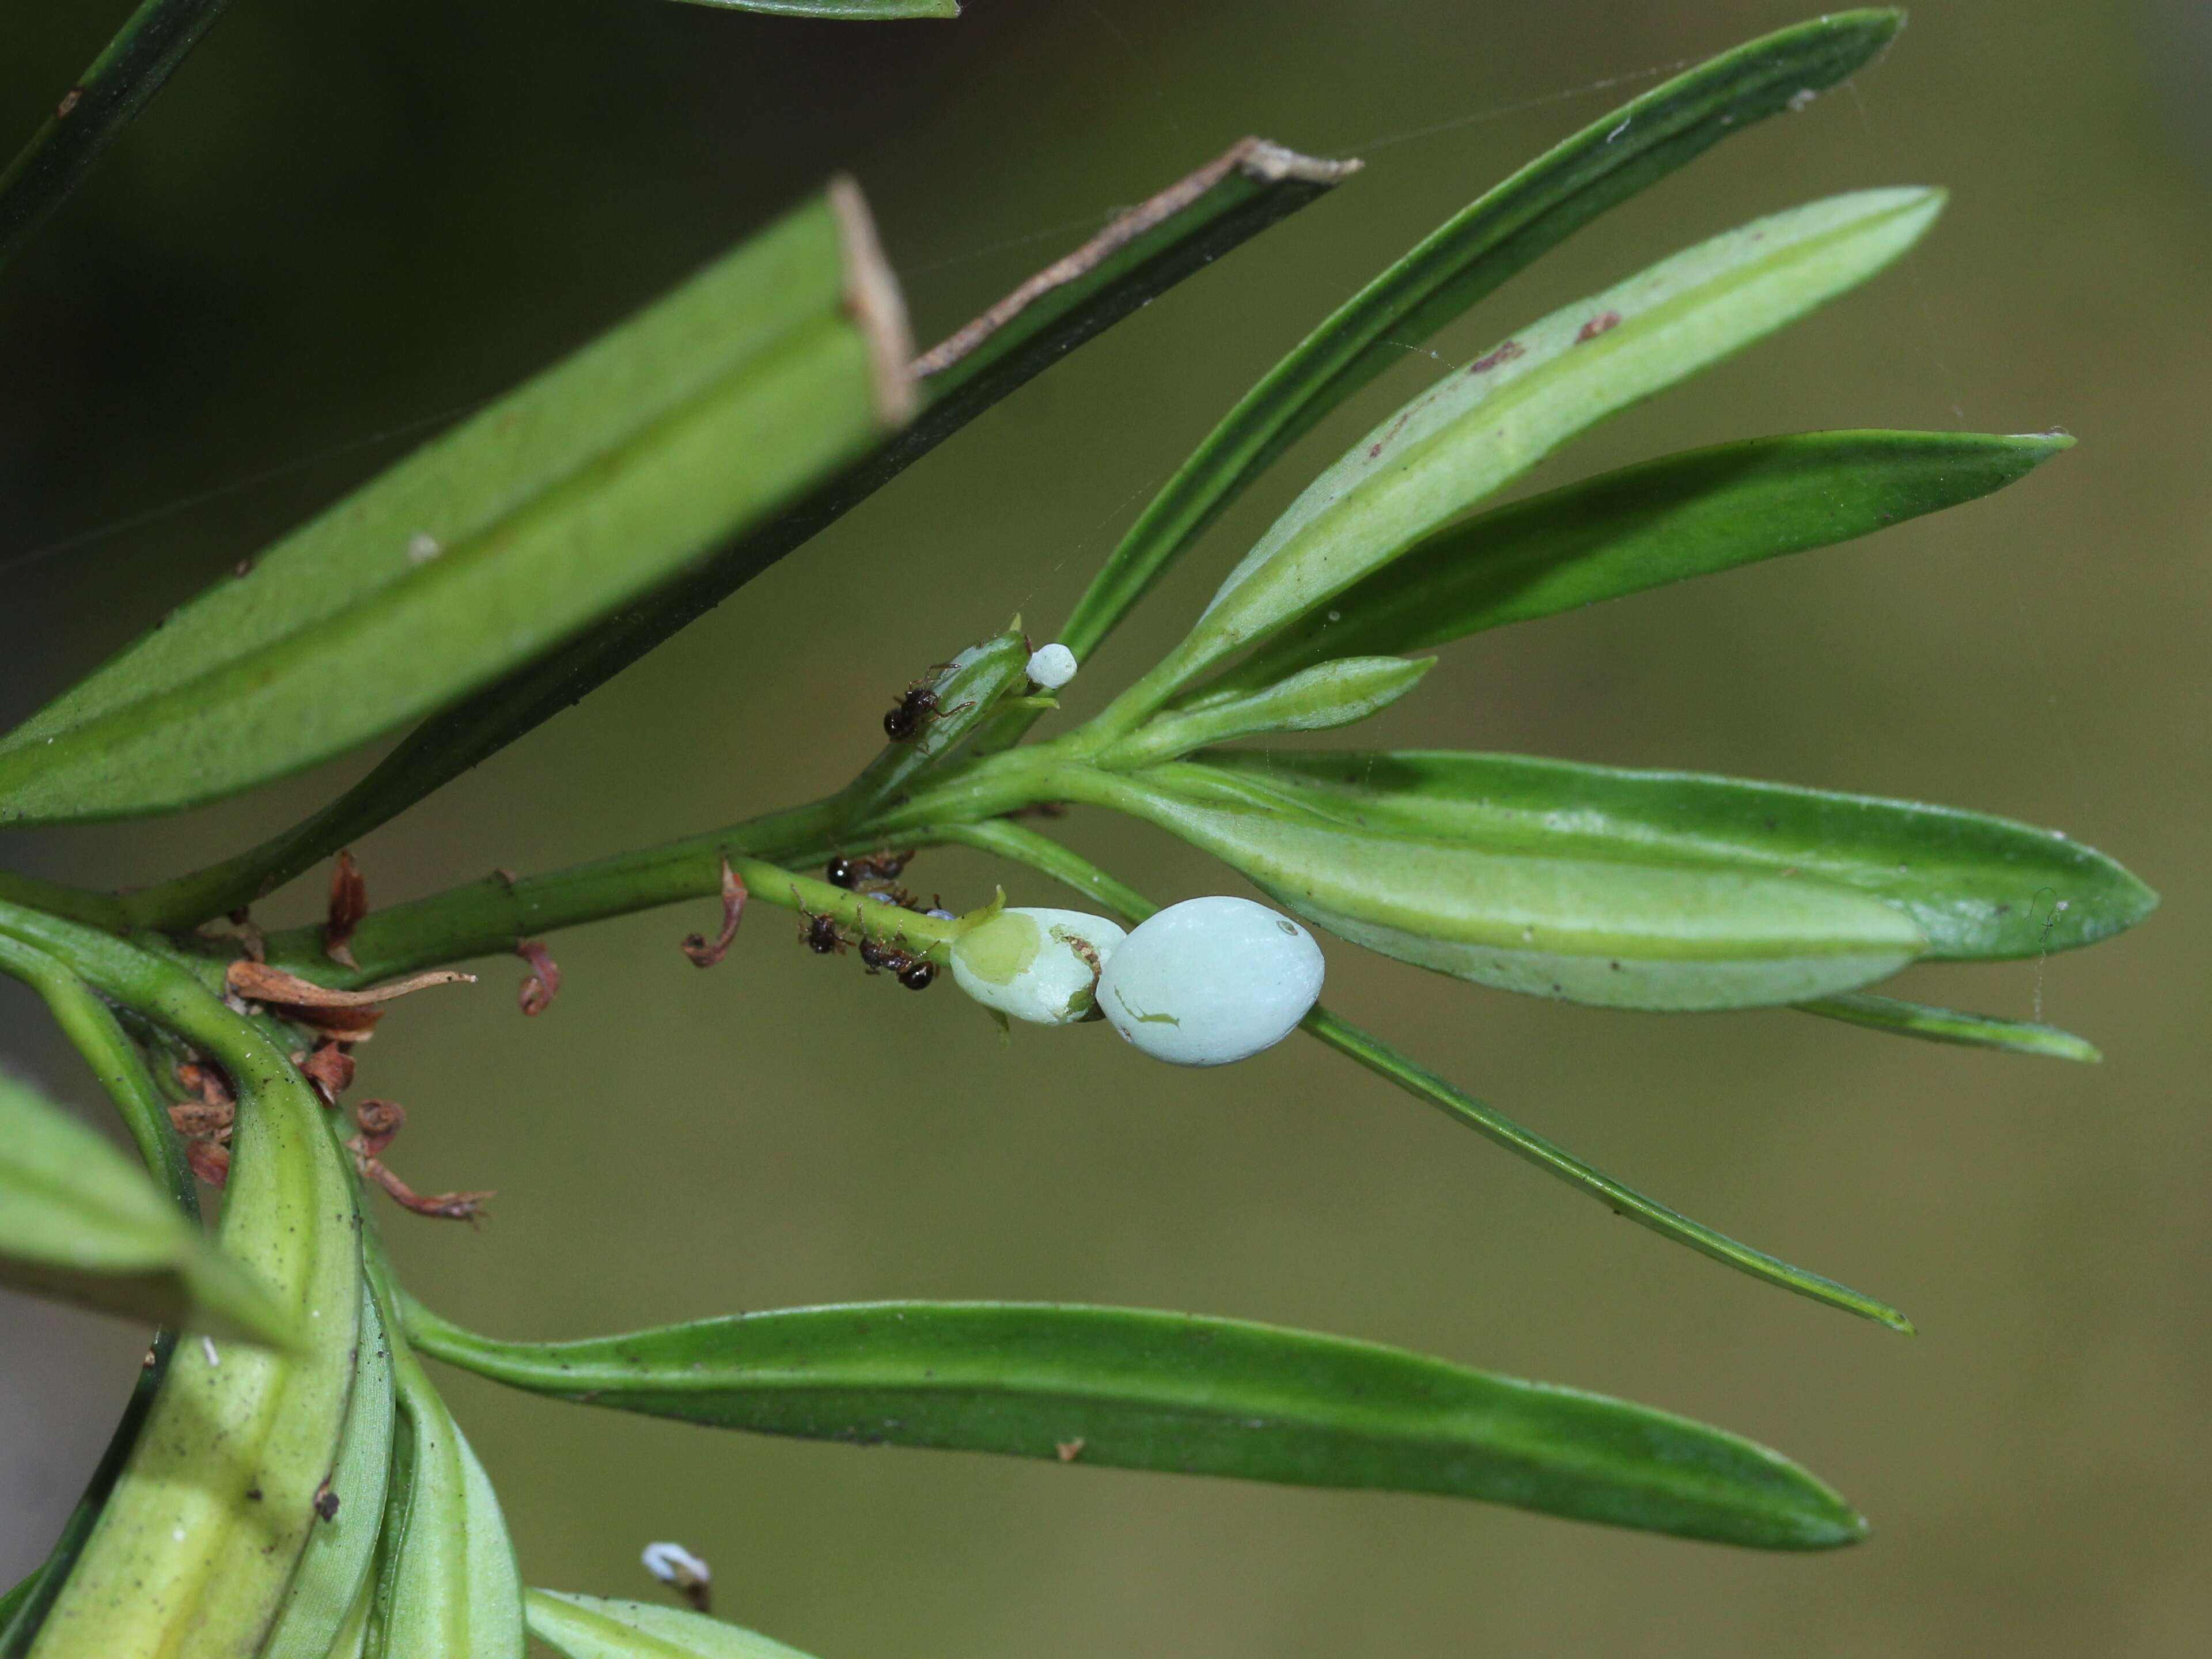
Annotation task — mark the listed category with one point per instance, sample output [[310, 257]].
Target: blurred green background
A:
[[344, 222]]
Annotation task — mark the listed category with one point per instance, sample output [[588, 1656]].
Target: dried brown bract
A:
[[380, 1120], [348, 905], [330, 1069], [542, 984], [209, 1160], [339, 1015], [706, 954]]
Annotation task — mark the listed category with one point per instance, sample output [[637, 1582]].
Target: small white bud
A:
[[1038, 965], [1052, 667], [422, 547], [1211, 981]]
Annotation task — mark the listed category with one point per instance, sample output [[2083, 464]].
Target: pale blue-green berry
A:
[[1052, 667], [1211, 981], [1038, 965]]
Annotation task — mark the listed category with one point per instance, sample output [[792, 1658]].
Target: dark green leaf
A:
[[581, 491], [1916, 1019], [1979, 887], [78, 1222], [106, 98], [1467, 258], [1183, 1394], [1582, 919], [1663, 521], [1482, 427], [587, 1627]]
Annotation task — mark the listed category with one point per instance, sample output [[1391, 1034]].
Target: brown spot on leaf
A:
[[70, 101], [1604, 322], [1069, 1450], [326, 1501], [1503, 354], [544, 983], [704, 954]]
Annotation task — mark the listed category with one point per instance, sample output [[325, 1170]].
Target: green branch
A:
[[92, 114]]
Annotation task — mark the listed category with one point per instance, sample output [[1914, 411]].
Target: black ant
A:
[[819, 933], [917, 704], [914, 972], [860, 874]]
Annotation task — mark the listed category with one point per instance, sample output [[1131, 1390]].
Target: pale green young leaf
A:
[[586, 489], [79, 1222], [591, 1627], [1644, 526], [331, 1586], [447, 1582], [1487, 424], [1120, 1388]]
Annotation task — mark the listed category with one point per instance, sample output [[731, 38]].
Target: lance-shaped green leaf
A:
[[1644, 526], [842, 11], [1317, 699], [447, 1582], [1483, 426], [1568, 922], [586, 489], [336, 1570], [1978, 887], [1172, 235], [1467, 257], [1918, 1019], [78, 1222], [589, 1627], [1125, 1389]]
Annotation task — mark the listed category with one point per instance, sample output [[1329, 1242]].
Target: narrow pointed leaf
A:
[[1644, 526], [1386, 1062], [1978, 887], [1571, 920], [79, 1223], [1330, 694], [446, 1577], [336, 1570], [588, 1628], [1123, 1389], [1025, 845], [1465, 258], [580, 492], [1916, 1019], [1482, 427]]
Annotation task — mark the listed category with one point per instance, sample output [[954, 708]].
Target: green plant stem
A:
[[89, 117], [115, 1060], [90, 1025], [488, 917]]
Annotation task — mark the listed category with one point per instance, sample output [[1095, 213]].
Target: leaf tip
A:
[[874, 302]]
